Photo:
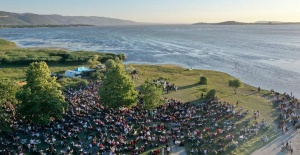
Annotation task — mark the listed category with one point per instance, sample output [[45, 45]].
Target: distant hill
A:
[[8, 18], [241, 23]]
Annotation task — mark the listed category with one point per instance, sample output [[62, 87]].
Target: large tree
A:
[[41, 98], [235, 84], [151, 95], [117, 88]]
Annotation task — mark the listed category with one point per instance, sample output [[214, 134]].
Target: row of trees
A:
[[27, 56], [41, 99]]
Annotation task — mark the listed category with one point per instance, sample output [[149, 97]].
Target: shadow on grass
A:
[[189, 86]]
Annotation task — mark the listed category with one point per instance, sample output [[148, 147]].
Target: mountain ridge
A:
[[10, 18]]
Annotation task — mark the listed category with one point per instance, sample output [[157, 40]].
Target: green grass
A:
[[6, 44], [189, 90], [18, 72]]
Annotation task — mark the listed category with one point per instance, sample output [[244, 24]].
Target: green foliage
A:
[[110, 64], [72, 83], [151, 95], [97, 75], [8, 90], [19, 56], [41, 98], [117, 89], [235, 84], [93, 61], [203, 80], [211, 94]]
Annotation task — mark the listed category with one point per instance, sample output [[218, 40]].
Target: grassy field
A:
[[189, 90]]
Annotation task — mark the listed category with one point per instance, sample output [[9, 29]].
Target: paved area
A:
[[274, 147]]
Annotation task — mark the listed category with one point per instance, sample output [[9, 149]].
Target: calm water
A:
[[265, 56]]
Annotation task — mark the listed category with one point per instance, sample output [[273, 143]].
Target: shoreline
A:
[[253, 80]]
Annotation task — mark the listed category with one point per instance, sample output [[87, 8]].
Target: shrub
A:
[[73, 83], [211, 94], [203, 80]]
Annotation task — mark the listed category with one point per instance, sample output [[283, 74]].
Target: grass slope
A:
[[189, 90]]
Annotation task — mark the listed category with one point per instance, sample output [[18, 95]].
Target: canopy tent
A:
[[83, 69]]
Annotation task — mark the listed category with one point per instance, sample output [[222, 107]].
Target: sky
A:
[[164, 11]]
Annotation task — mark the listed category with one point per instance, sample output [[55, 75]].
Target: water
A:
[[260, 55]]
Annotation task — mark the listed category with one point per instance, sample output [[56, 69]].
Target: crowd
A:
[[88, 127]]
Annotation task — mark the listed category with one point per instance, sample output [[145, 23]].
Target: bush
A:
[[97, 75], [73, 83], [203, 80], [211, 94]]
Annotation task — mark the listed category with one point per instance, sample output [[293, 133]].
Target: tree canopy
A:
[[8, 90], [41, 98], [151, 95], [110, 64], [117, 88], [235, 84]]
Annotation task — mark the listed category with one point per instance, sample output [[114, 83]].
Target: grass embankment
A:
[[189, 90]]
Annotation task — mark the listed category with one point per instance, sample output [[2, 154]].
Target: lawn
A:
[[189, 90]]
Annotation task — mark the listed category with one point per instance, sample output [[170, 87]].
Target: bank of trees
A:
[[19, 56]]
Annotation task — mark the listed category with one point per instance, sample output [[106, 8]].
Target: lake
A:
[[260, 55]]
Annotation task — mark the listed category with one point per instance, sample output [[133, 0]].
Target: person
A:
[[168, 149], [292, 150], [258, 89], [237, 103]]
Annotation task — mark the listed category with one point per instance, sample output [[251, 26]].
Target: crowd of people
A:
[[88, 127]]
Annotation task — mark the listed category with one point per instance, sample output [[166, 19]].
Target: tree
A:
[[97, 75], [235, 84], [41, 98], [203, 80], [110, 64], [8, 90], [151, 95], [93, 61], [117, 88]]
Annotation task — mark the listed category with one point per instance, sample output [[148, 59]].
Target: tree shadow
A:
[[189, 86]]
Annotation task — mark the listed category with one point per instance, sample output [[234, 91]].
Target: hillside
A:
[[8, 18], [241, 23]]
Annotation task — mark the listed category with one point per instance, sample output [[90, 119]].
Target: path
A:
[[274, 147], [176, 150]]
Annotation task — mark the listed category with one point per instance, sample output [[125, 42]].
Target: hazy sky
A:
[[164, 11]]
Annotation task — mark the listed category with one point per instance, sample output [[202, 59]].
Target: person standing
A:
[[168, 149]]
